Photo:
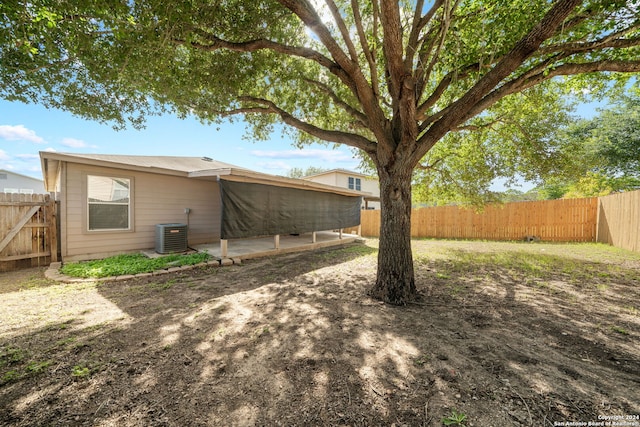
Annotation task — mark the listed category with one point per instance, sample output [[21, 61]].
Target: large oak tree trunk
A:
[[395, 282]]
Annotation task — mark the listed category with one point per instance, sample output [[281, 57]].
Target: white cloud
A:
[[19, 133], [277, 165], [27, 156], [74, 143], [50, 150], [4, 155], [319, 155]]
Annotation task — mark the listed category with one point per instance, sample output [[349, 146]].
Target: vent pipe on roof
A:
[[207, 159]]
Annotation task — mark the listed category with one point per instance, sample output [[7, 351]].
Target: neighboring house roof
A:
[[12, 181], [190, 167], [20, 175], [371, 197], [343, 171]]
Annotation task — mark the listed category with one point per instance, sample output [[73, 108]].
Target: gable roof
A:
[[189, 167], [21, 175], [341, 171]]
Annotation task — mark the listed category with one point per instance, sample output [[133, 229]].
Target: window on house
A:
[[3, 176], [11, 190], [26, 191], [355, 184], [108, 202]]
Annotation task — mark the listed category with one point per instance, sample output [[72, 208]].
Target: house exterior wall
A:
[[15, 183], [328, 179], [155, 199], [340, 178]]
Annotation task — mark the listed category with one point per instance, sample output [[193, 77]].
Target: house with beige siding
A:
[[111, 204], [353, 181], [11, 182]]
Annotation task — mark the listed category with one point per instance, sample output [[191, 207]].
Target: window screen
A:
[[108, 203]]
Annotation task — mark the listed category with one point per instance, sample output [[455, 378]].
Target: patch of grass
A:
[[619, 330], [162, 286], [10, 376], [455, 419], [11, 355], [120, 265], [80, 371], [37, 367], [521, 263]]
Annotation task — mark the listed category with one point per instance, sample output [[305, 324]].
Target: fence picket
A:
[[27, 230], [567, 220]]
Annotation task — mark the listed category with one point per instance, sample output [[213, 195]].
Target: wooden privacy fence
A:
[[565, 220], [619, 220], [28, 232]]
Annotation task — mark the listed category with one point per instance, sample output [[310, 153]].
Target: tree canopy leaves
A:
[[398, 80]]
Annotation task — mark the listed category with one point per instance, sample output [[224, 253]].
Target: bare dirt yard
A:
[[506, 334]]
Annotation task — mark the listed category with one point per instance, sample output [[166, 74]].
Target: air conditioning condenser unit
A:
[[171, 238]]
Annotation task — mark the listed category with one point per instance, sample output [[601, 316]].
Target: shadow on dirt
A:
[[295, 340]]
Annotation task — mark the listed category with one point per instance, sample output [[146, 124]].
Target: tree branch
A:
[[459, 110], [215, 43], [357, 115], [360, 87], [441, 88], [338, 137], [368, 53], [343, 30], [447, 13], [603, 43], [526, 81], [392, 46], [412, 43]]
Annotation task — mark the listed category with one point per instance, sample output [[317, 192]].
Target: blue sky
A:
[[26, 129]]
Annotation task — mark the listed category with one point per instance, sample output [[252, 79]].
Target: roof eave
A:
[[281, 181], [109, 163]]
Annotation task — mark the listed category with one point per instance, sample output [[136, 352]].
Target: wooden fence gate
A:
[[28, 230]]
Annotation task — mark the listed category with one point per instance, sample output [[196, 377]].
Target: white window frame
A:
[[354, 183], [129, 203]]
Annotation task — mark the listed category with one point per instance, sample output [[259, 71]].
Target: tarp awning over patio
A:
[[252, 209]]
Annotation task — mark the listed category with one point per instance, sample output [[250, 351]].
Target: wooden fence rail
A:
[[619, 220], [565, 220], [28, 232]]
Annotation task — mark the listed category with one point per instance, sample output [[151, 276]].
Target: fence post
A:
[[53, 229]]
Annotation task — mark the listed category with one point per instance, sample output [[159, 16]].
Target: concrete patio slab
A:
[[265, 246]]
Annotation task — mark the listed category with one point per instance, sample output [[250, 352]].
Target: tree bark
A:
[[395, 283]]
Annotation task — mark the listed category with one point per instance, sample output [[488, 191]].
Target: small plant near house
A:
[[120, 265], [455, 419]]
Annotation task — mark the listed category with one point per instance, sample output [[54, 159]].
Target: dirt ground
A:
[[506, 334]]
